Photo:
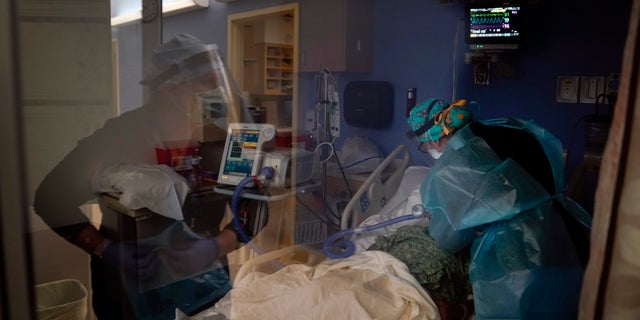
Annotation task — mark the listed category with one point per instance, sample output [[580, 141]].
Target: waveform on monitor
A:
[[488, 20]]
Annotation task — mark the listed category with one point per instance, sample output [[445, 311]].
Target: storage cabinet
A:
[[274, 70], [336, 35]]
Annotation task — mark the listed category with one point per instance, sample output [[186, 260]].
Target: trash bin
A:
[[62, 299]]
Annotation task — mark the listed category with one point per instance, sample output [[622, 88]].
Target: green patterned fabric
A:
[[444, 275]]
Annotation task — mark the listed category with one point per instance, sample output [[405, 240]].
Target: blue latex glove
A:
[[135, 260], [191, 256]]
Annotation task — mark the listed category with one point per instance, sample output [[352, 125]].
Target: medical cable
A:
[[327, 222], [361, 161], [347, 248], [265, 174], [333, 154], [344, 176], [328, 207], [331, 148]]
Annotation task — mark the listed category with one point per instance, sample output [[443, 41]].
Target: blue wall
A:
[[415, 45]]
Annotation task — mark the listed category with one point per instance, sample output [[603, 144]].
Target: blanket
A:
[[368, 285]]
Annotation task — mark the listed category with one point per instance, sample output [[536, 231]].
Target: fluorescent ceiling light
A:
[[168, 7]]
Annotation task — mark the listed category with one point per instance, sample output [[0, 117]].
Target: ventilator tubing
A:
[[347, 248], [266, 173]]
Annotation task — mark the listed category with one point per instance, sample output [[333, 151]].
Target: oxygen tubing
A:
[[265, 174], [346, 248]]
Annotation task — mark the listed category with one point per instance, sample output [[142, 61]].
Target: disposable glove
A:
[[135, 260]]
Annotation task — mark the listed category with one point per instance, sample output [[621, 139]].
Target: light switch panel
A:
[[591, 88]]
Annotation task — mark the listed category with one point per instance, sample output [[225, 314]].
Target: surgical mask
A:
[[434, 153], [425, 147]]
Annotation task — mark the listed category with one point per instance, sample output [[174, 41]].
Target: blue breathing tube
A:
[[346, 248], [266, 173]]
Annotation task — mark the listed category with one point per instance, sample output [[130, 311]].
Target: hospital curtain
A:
[[611, 287]]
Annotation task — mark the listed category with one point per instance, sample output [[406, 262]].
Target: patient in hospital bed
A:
[[508, 210], [444, 275], [397, 272], [369, 284]]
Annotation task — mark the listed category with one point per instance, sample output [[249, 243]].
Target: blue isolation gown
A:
[[498, 187]]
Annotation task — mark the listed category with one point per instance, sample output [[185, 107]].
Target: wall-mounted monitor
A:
[[493, 25]]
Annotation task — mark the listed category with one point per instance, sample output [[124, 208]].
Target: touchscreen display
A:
[[243, 145]]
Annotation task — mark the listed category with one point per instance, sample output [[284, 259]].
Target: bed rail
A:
[[377, 189]]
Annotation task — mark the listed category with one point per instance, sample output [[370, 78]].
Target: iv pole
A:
[[326, 102]]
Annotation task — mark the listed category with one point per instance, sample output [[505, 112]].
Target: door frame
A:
[[235, 48]]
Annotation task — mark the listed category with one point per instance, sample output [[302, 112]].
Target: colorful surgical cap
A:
[[434, 118]]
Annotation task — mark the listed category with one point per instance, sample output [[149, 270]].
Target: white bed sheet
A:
[[369, 285]]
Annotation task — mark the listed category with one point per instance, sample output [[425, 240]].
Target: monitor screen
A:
[[243, 150], [493, 24]]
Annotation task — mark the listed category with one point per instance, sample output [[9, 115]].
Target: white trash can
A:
[[62, 299]]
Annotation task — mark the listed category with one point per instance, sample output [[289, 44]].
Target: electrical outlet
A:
[[591, 88], [567, 89], [310, 119], [334, 120]]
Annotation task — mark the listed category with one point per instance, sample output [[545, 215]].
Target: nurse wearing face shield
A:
[[183, 69]]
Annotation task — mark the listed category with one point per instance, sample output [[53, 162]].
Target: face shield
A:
[[422, 146], [197, 80]]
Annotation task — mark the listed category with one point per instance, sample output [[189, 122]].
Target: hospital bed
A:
[[373, 194], [408, 298], [519, 168]]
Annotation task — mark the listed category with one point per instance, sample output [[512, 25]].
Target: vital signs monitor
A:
[[243, 151]]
